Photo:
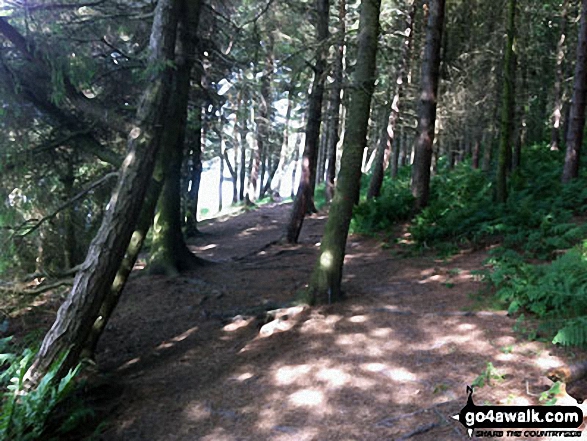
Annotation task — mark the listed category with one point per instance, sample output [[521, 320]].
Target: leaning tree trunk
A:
[[304, 200], [325, 283], [388, 134], [577, 114], [336, 100], [427, 111], [504, 158], [81, 308]]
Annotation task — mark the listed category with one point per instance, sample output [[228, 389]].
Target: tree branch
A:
[[66, 204]]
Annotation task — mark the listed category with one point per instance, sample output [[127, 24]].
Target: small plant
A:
[[548, 398], [487, 376], [507, 349], [24, 413]]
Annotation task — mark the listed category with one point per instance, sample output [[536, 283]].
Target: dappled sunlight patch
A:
[[380, 333], [546, 362], [334, 377], [243, 377], [171, 342], [290, 374], [307, 398], [129, 363], [358, 319], [197, 412], [238, 323]]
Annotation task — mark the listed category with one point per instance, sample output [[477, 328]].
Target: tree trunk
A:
[[304, 200], [169, 252], [221, 177], [80, 310], [558, 80], [325, 283], [388, 134], [577, 113], [283, 156], [476, 152], [504, 159], [427, 110], [254, 166], [194, 169], [336, 99], [243, 148]]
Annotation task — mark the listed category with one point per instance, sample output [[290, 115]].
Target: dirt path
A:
[[390, 363]]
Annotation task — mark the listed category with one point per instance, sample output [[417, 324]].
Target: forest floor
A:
[[186, 358]]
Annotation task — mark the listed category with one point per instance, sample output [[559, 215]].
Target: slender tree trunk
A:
[[243, 149], [296, 159], [286, 131], [304, 200], [387, 136], [80, 310], [427, 111], [195, 175], [221, 177], [325, 283], [336, 99], [504, 159], [558, 80], [254, 166], [577, 113], [476, 152]]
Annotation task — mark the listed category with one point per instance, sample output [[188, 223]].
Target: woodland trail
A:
[[185, 360]]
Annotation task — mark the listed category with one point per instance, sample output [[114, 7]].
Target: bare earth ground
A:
[[391, 362]]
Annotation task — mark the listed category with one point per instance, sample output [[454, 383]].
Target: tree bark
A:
[[80, 310], [386, 141], [558, 80], [325, 283], [304, 200], [504, 159], [428, 101], [336, 100], [577, 113]]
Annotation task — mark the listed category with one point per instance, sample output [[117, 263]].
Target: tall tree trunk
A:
[[283, 156], [387, 136], [221, 173], [254, 166], [577, 113], [504, 158], [428, 100], [296, 159], [243, 148], [304, 200], [80, 309], [336, 99], [558, 79], [195, 175], [325, 283], [187, 28]]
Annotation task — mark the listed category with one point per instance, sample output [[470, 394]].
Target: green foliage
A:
[[24, 413], [549, 397], [487, 376], [393, 205], [537, 222], [555, 292]]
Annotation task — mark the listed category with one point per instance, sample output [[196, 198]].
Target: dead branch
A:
[[419, 430], [36, 291], [66, 204]]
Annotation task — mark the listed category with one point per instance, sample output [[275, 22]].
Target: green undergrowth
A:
[[539, 266], [27, 414]]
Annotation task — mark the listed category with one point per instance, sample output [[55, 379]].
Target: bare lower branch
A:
[[71, 201]]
